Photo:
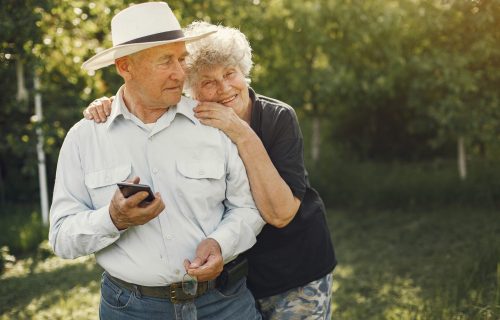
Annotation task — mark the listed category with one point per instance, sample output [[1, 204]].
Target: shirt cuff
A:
[[226, 242], [103, 223]]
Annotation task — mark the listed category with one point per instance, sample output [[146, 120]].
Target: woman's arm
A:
[[272, 195]]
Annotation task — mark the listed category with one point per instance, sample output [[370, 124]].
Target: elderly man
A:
[[202, 211]]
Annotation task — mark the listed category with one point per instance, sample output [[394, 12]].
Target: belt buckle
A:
[[177, 295]]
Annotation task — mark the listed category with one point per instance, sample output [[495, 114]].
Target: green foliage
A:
[[370, 185], [391, 80], [22, 229]]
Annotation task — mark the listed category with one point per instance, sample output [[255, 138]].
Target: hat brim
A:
[[108, 56]]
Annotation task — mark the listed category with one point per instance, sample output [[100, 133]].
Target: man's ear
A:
[[123, 66]]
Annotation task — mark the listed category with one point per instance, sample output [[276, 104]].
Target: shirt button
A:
[[201, 172], [155, 170], [169, 237]]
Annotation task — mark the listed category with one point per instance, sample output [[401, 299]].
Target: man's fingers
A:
[[186, 264], [135, 180], [156, 206], [196, 263], [135, 199]]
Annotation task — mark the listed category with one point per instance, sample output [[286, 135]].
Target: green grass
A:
[[439, 264], [50, 289]]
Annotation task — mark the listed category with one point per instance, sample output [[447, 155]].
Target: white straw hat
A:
[[140, 27]]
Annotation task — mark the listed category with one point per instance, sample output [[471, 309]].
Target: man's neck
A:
[[147, 114]]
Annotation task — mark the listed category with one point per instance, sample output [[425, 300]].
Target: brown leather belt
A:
[[173, 292]]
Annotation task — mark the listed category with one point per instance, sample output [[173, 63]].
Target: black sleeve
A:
[[287, 151]]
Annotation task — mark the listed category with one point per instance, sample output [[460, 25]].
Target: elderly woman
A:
[[290, 266]]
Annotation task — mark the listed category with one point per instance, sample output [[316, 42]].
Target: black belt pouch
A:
[[233, 272]]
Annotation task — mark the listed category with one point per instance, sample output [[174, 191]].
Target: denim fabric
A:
[[235, 302]]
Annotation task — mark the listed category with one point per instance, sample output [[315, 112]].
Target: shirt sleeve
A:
[[75, 229], [241, 222], [287, 151]]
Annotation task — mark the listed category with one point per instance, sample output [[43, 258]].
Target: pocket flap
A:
[[107, 177], [201, 169]]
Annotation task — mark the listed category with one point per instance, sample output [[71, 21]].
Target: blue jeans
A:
[[235, 302]]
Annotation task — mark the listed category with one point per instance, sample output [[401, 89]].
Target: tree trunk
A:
[[316, 138], [22, 93], [462, 161]]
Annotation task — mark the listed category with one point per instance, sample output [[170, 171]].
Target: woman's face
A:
[[223, 84]]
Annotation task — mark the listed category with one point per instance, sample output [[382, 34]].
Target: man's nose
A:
[[179, 72]]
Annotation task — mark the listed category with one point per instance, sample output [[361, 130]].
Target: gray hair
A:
[[227, 47]]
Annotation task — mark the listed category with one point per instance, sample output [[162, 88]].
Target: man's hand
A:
[[99, 109], [127, 212], [208, 263]]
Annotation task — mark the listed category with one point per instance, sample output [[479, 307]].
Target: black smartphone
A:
[[129, 189]]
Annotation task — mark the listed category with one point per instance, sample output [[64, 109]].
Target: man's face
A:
[[225, 85], [157, 75]]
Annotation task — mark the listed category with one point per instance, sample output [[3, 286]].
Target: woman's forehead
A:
[[215, 70]]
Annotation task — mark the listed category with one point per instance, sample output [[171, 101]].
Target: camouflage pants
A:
[[312, 301]]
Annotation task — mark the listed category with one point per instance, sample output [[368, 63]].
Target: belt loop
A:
[[137, 291]]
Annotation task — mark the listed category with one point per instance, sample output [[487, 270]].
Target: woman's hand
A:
[[99, 109], [224, 118]]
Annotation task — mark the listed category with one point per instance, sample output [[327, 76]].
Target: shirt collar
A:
[[118, 107], [185, 107]]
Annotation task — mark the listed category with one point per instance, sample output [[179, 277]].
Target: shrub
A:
[[405, 185], [22, 229]]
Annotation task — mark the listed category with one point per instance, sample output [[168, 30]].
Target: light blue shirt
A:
[[195, 168]]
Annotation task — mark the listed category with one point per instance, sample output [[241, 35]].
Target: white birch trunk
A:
[[22, 93], [42, 171]]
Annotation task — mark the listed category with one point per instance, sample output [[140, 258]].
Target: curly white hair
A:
[[226, 47]]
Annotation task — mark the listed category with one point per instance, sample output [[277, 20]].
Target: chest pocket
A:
[[102, 184], [201, 169], [203, 178]]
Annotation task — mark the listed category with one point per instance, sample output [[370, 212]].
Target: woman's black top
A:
[[302, 251]]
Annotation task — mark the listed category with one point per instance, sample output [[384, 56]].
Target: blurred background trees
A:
[[388, 92], [400, 108]]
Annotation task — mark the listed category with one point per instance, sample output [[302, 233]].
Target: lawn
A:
[[437, 264]]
